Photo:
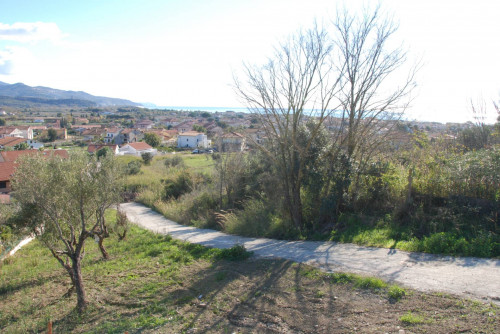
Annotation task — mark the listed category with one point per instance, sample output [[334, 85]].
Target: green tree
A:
[[21, 146], [199, 128], [103, 152], [2, 122], [62, 202], [51, 135], [152, 139], [147, 158], [133, 167]]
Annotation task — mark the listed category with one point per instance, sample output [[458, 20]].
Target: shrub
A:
[[175, 161], [121, 225], [182, 184], [235, 253], [133, 167], [147, 158], [253, 220]]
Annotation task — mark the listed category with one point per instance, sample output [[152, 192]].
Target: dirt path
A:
[[465, 276]]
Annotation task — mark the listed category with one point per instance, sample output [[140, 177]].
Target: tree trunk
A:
[[122, 236], [69, 269], [78, 281], [410, 184], [297, 209], [103, 250]]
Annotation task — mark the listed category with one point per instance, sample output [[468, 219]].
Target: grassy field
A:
[[153, 284]]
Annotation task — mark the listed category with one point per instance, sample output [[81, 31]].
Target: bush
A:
[[133, 167], [175, 161], [121, 225], [254, 220], [182, 184], [235, 253], [147, 158]]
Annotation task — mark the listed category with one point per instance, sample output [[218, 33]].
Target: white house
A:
[[144, 124], [26, 131], [10, 131], [192, 139], [137, 149], [231, 142], [111, 134]]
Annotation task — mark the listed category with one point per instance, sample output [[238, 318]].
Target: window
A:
[[3, 184]]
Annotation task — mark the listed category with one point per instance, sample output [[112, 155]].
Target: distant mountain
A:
[[20, 94]]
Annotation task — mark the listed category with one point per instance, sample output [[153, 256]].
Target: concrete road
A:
[[465, 276]]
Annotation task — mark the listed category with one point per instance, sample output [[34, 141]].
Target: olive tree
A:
[[63, 202]]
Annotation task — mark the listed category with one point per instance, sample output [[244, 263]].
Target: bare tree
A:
[[347, 81], [372, 96], [376, 89], [298, 83], [62, 202]]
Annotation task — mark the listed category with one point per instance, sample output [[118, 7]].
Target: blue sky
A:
[[184, 53]]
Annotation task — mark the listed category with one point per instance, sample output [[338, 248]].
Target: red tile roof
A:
[[139, 146], [6, 170], [190, 133], [232, 135], [96, 147], [11, 141], [11, 156]]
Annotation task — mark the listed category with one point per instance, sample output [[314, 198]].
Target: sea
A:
[[209, 109]]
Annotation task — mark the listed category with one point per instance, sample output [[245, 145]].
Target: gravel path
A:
[[465, 276]]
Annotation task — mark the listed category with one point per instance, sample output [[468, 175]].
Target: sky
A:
[[185, 52]]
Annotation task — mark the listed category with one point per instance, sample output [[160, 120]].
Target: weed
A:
[[412, 319], [341, 278], [235, 253], [396, 293], [371, 283], [310, 272], [319, 294]]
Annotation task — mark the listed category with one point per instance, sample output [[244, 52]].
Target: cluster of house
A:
[[180, 136], [8, 162], [11, 136]]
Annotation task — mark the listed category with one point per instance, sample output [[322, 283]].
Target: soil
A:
[[277, 296]]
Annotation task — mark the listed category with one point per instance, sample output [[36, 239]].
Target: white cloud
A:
[[30, 31], [16, 60]]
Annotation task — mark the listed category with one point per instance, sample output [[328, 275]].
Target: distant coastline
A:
[[209, 109]]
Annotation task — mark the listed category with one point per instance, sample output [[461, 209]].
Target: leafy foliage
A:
[[152, 139], [147, 158]]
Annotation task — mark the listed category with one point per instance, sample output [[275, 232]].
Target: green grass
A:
[[371, 283], [396, 293], [410, 318], [384, 233], [35, 271], [152, 283], [202, 163]]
